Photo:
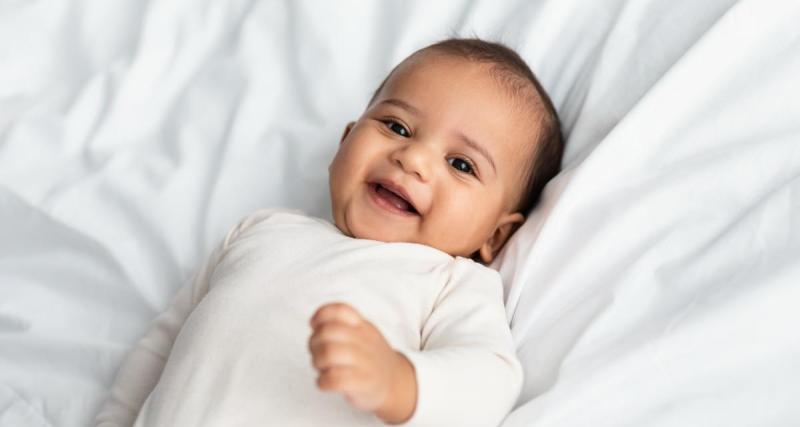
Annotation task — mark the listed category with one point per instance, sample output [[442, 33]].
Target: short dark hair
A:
[[512, 70]]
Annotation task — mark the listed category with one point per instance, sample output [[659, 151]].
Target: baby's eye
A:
[[398, 128], [461, 165]]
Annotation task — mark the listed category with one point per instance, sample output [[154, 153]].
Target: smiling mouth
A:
[[391, 201]]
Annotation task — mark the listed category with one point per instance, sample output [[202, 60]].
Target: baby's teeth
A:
[[396, 200]]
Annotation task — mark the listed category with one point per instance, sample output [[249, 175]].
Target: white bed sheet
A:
[[655, 285]]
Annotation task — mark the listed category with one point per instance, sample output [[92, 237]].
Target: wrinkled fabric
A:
[[653, 286]]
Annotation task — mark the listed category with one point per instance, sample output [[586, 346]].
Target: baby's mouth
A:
[[391, 200]]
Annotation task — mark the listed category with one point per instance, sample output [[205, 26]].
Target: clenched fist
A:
[[354, 359]]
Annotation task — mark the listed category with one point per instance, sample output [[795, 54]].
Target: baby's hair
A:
[[512, 71]]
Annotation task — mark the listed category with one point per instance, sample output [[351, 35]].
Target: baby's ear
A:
[[347, 130], [506, 226]]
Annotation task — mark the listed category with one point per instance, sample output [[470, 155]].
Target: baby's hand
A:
[[354, 359]]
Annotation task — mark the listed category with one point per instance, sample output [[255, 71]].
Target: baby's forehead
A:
[[517, 88]]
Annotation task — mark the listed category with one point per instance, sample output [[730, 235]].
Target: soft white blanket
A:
[[656, 285]]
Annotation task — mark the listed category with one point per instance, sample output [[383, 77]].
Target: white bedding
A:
[[656, 285]]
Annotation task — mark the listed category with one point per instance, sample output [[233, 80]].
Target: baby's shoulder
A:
[[471, 284], [274, 214], [277, 223], [464, 270], [280, 215]]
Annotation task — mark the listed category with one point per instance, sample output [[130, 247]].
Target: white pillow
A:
[[657, 282]]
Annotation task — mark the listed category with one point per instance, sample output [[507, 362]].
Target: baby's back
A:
[[241, 356]]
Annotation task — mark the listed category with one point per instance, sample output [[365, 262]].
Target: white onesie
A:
[[232, 347]]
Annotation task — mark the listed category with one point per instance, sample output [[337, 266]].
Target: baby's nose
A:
[[415, 159]]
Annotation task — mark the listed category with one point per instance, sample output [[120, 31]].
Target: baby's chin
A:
[[354, 223], [380, 233], [389, 235]]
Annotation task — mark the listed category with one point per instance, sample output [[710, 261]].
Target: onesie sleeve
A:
[[142, 366], [467, 370]]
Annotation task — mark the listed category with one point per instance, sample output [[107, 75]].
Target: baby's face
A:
[[436, 159]]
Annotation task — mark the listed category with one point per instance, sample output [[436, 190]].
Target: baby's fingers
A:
[[337, 378], [336, 312], [329, 354], [352, 384], [332, 332]]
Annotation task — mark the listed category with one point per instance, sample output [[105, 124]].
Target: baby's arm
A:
[[467, 372], [142, 367], [354, 359]]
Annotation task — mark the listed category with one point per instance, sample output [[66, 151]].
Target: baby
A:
[[406, 323]]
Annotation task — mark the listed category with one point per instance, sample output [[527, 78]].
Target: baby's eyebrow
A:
[[404, 105], [477, 147]]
